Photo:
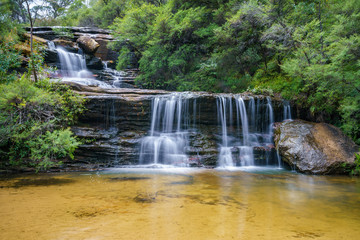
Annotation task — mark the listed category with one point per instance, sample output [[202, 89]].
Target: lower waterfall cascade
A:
[[251, 127], [168, 136], [244, 130]]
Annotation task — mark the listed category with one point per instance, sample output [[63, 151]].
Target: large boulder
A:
[[88, 44], [316, 148]]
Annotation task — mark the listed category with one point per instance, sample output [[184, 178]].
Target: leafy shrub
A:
[[47, 148], [9, 59], [33, 120]]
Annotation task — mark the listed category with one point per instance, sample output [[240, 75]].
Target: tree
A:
[[31, 41], [56, 8]]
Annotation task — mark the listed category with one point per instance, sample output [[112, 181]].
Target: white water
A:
[[73, 68], [254, 122], [115, 75], [73, 65], [168, 136], [224, 105], [287, 110], [246, 137]]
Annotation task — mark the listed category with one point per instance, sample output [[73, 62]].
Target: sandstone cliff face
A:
[[316, 148], [118, 119]]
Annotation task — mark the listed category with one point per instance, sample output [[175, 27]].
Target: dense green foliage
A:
[[306, 50], [34, 119], [34, 115]]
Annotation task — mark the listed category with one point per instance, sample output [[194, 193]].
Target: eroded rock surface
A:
[[88, 44], [316, 148]]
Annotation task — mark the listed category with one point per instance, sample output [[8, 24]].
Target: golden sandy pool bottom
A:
[[179, 204]]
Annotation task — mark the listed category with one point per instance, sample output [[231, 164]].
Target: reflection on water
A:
[[179, 204]]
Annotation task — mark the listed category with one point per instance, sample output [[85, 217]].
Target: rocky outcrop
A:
[[88, 44], [69, 45], [35, 38], [102, 36], [316, 148]]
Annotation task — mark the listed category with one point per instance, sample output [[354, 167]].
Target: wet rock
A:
[[51, 56], [94, 63], [316, 148], [203, 150], [88, 44], [145, 198]]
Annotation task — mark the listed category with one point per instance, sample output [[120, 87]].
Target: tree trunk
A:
[[31, 39]]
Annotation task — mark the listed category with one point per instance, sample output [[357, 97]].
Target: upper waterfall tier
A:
[[73, 68]]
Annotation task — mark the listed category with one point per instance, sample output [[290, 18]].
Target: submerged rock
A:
[[316, 148]]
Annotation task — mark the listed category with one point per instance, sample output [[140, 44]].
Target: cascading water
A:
[[270, 116], [168, 136], [246, 155], [287, 110], [254, 131], [224, 105], [115, 76], [73, 65], [73, 68]]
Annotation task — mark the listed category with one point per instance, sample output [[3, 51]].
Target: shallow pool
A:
[[179, 203]]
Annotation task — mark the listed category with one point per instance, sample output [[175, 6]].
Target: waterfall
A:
[[168, 136], [246, 155], [73, 68], [252, 107], [224, 105], [254, 121], [241, 109], [115, 76], [270, 116], [51, 45], [73, 65], [245, 131], [287, 110]]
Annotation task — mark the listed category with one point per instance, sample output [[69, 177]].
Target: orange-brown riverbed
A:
[[179, 204]]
